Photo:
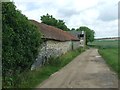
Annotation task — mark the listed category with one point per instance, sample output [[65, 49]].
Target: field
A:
[[105, 43], [108, 49]]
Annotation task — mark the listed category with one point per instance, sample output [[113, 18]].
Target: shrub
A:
[[20, 44]]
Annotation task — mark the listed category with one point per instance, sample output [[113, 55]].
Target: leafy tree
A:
[[21, 40], [73, 29], [50, 20], [89, 33]]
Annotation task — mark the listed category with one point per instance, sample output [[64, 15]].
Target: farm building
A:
[[56, 42], [80, 35]]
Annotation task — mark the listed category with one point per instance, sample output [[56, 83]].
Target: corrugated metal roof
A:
[[53, 33]]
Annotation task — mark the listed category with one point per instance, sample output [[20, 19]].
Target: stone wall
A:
[[52, 48], [59, 46], [76, 44]]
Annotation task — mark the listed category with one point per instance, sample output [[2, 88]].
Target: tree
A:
[[89, 33], [73, 29], [50, 20], [20, 43]]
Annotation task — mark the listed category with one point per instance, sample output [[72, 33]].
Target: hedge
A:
[[20, 43]]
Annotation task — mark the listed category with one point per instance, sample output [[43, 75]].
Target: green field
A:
[[105, 43], [108, 49]]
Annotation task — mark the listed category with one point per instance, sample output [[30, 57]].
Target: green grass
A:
[[105, 43], [108, 49], [111, 57], [33, 78]]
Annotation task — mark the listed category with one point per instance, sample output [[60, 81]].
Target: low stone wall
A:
[[53, 48]]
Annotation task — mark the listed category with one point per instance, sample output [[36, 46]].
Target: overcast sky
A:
[[99, 15]]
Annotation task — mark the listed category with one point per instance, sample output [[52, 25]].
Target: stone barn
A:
[[56, 43]]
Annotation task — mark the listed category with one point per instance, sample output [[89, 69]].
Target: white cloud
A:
[[108, 29], [99, 15]]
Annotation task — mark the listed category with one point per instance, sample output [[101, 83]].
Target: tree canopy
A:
[[73, 29], [89, 33], [50, 20]]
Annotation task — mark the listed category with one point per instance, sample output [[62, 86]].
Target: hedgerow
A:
[[20, 43]]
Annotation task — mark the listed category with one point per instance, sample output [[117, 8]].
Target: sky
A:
[[99, 15]]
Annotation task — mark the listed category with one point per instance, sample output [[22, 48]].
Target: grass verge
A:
[[33, 78], [109, 49], [110, 55]]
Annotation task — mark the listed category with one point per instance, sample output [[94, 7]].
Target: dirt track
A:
[[88, 70]]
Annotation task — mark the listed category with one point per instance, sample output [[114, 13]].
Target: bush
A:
[[20, 45]]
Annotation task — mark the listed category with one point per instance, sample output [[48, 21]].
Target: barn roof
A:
[[53, 33]]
